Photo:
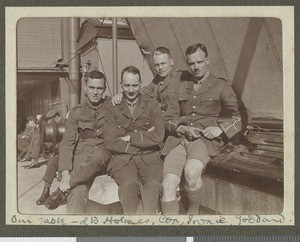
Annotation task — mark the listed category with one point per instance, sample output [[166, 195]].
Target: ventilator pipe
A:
[[64, 40], [74, 63], [115, 55]]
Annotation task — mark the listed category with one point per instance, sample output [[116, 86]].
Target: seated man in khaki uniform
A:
[[81, 152], [196, 136], [132, 132]]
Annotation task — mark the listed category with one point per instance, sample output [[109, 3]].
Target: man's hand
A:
[[64, 184], [117, 99], [191, 133], [212, 132], [125, 138]]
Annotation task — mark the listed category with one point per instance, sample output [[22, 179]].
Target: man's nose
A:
[[95, 92], [130, 89], [197, 66]]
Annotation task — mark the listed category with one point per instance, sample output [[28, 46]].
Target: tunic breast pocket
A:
[[211, 104], [85, 125], [123, 125], [144, 124]]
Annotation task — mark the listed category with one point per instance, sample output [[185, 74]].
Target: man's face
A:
[[131, 85], [94, 89], [30, 124], [198, 63], [163, 64]]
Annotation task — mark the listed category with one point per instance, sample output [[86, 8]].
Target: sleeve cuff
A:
[[137, 139], [231, 128]]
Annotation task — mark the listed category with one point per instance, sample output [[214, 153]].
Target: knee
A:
[[192, 177], [129, 184], [193, 171], [154, 184], [169, 186]]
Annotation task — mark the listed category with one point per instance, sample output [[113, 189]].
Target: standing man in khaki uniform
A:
[[132, 132], [196, 135], [165, 81], [81, 152]]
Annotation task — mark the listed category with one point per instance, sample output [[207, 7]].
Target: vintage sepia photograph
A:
[[174, 117]]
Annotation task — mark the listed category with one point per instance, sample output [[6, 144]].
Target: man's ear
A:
[[172, 61], [208, 60]]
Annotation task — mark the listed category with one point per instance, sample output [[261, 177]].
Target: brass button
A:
[[194, 96], [194, 107], [135, 130], [193, 114], [191, 124], [119, 126]]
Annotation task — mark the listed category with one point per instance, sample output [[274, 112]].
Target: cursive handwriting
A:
[[168, 220], [14, 219], [193, 220], [52, 221], [259, 219], [127, 221], [201, 221]]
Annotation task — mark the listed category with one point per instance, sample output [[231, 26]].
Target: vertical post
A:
[[115, 55], [63, 84], [64, 39], [74, 62]]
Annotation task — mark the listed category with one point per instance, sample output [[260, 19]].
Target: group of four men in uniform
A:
[[125, 134]]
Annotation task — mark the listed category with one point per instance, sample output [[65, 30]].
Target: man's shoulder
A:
[[219, 82], [218, 79], [107, 104], [146, 100], [75, 112], [76, 109]]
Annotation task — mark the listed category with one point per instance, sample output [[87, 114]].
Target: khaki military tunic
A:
[[201, 109], [160, 88], [82, 150], [144, 141]]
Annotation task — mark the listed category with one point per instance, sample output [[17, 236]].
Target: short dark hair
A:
[[162, 50], [193, 48], [95, 74], [131, 69]]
